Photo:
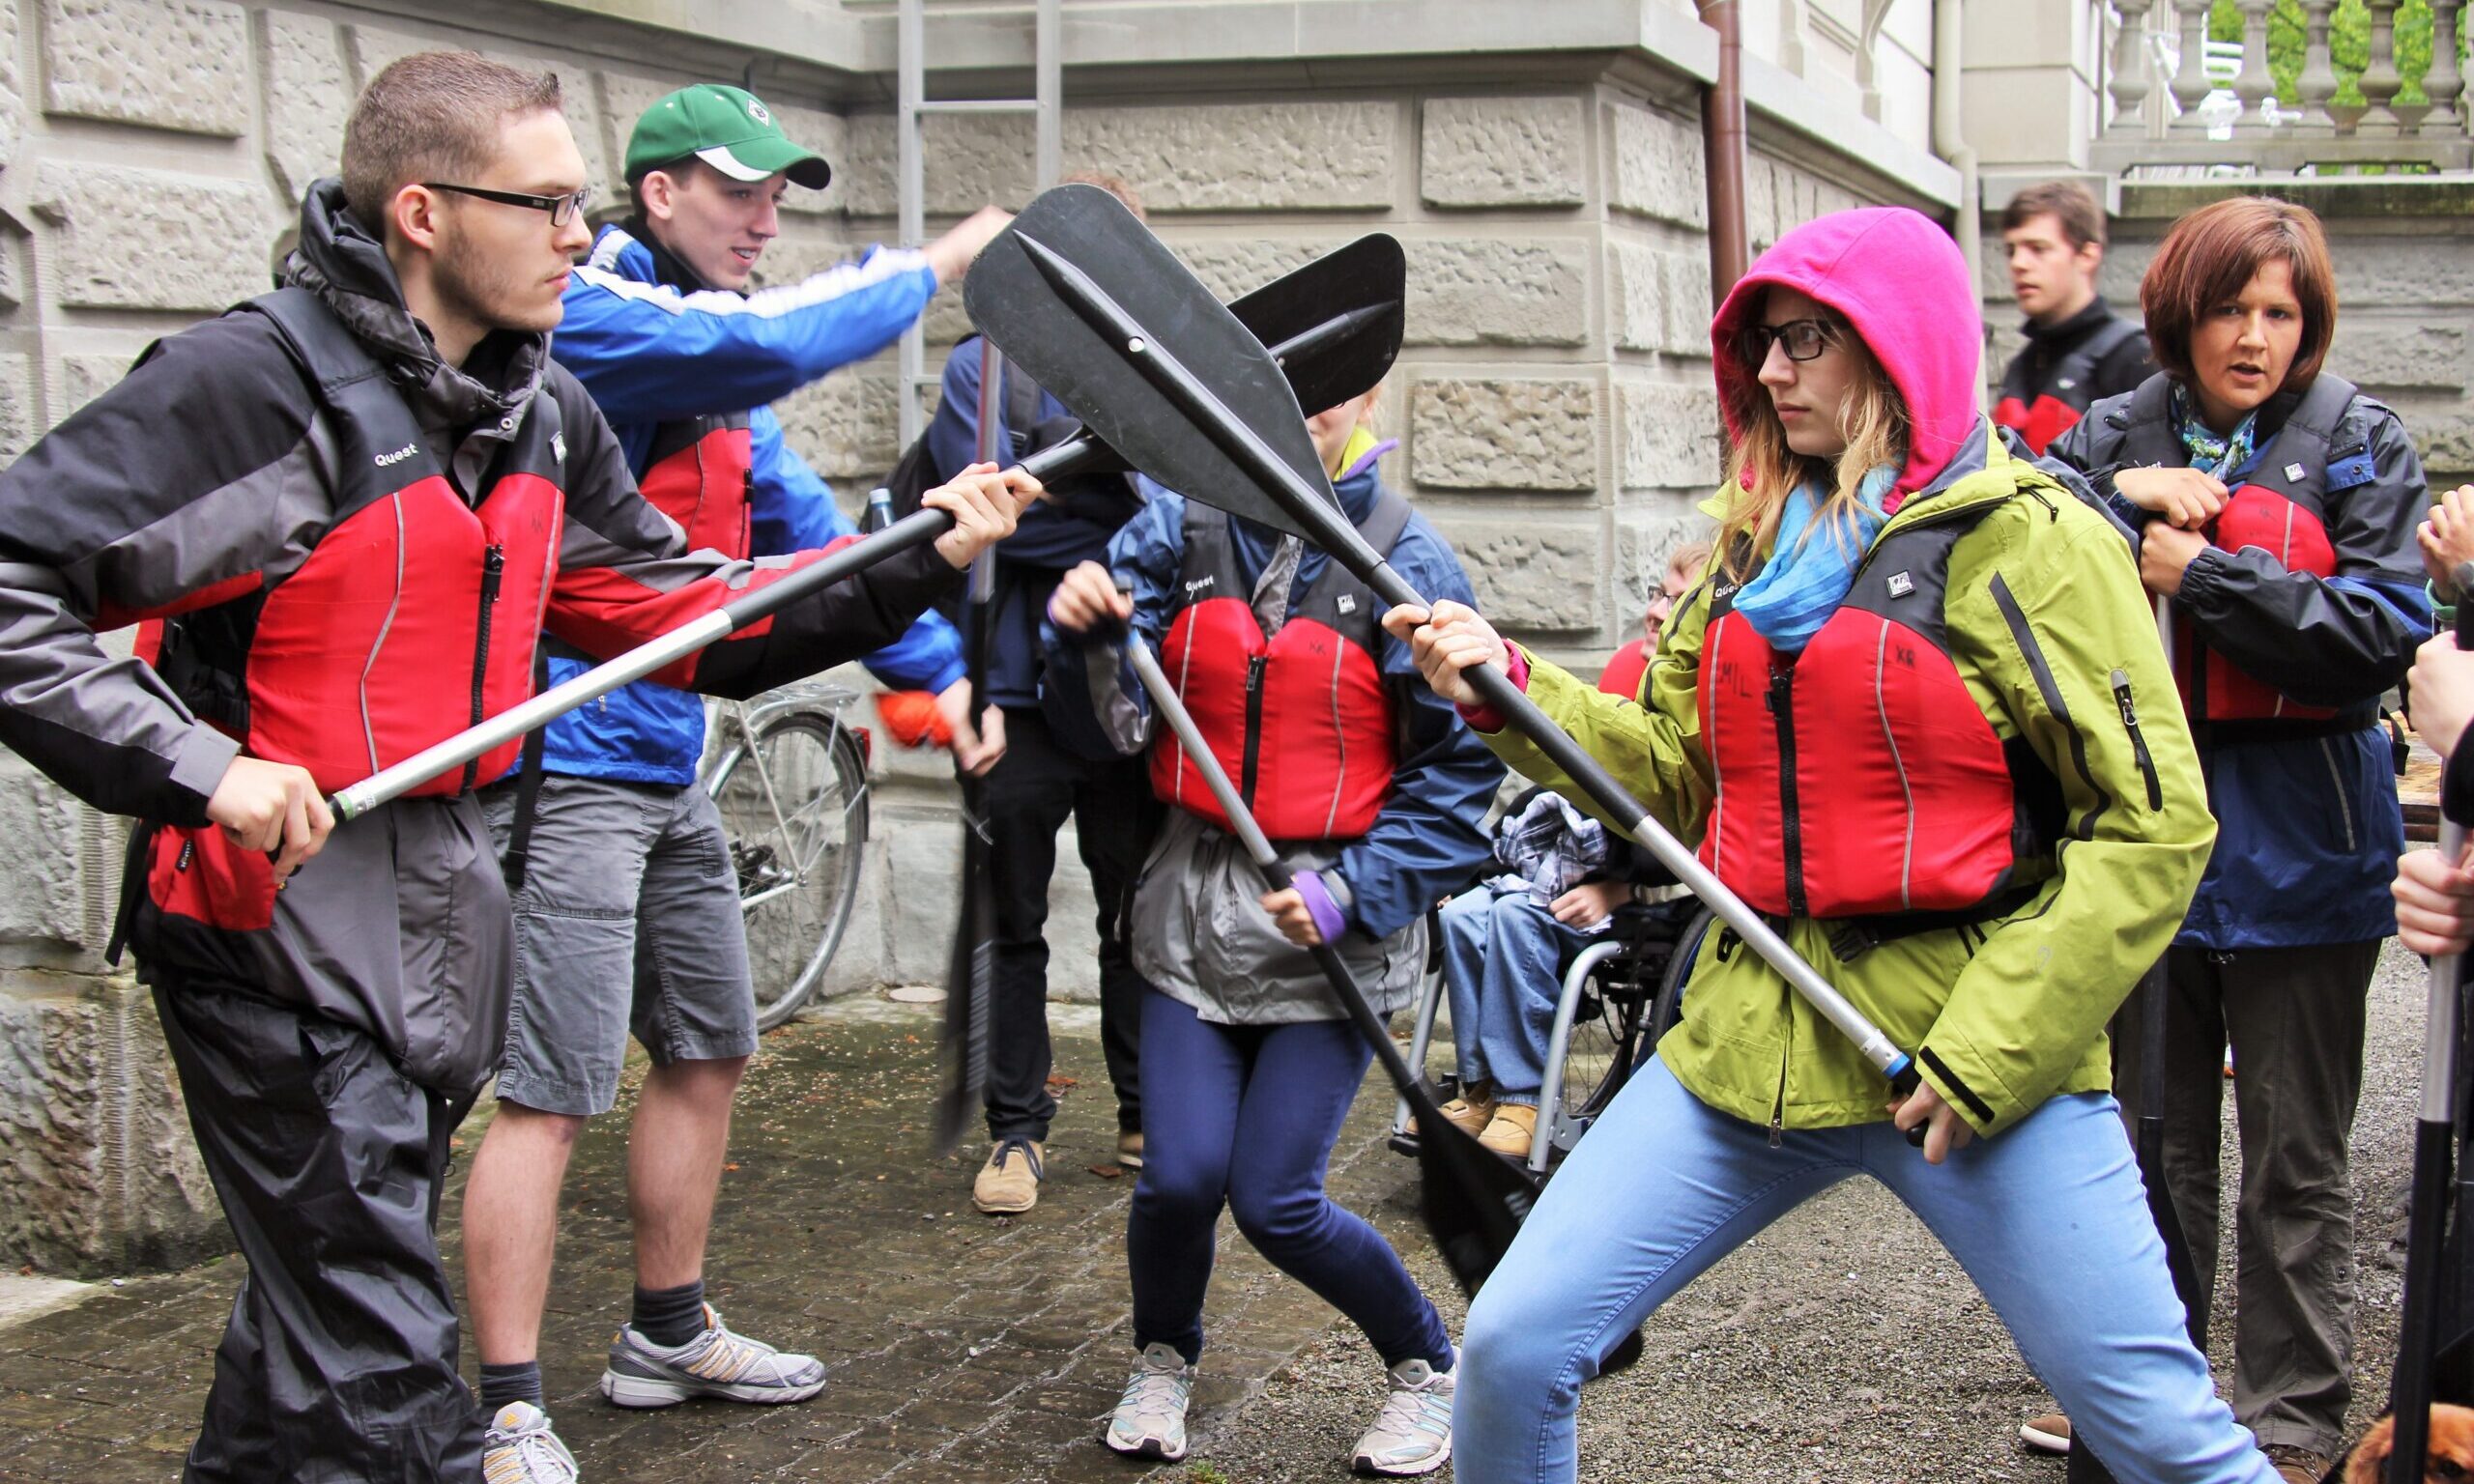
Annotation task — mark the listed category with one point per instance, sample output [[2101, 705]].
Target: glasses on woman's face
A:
[[561, 209], [1802, 339]]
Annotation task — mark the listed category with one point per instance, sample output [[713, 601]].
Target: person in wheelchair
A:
[[1505, 941]]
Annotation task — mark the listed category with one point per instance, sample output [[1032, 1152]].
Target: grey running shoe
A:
[[714, 1363], [519, 1448], [1412, 1434], [1150, 1419]]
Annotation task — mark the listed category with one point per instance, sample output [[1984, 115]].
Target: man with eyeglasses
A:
[[628, 916], [342, 511]]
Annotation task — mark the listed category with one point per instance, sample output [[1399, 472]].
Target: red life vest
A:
[[1859, 778], [2280, 508], [2039, 415], [1301, 719], [414, 614], [701, 476]]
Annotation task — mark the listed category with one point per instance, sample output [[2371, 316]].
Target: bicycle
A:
[[790, 778]]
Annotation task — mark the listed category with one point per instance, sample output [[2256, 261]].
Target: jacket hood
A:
[[1901, 282], [340, 262]]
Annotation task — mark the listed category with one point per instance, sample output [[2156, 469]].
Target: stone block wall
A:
[[1553, 399]]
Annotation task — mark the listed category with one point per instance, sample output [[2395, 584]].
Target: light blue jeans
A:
[[2048, 1217], [1501, 957]]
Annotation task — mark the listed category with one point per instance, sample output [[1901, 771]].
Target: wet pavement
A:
[[1842, 1345], [962, 1347]]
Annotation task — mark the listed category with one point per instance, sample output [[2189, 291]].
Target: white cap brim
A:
[[721, 159]]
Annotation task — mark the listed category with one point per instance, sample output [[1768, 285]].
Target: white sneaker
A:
[[1150, 1419], [716, 1362], [1412, 1434], [519, 1448]]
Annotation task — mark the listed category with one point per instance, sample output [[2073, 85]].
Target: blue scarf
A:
[[2209, 453], [1811, 567]]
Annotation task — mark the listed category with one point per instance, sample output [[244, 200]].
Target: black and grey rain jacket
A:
[[214, 477]]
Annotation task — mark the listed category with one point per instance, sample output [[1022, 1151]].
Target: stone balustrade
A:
[[2317, 126]]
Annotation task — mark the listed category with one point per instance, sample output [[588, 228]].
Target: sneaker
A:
[[1009, 1183], [2047, 1433], [2296, 1465], [1511, 1130], [519, 1448], [1150, 1419], [1412, 1434], [714, 1363], [1130, 1148], [1469, 1115]]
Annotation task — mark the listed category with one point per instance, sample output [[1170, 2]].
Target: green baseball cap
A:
[[728, 128]]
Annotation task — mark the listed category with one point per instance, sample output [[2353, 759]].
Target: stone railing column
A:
[[2253, 84], [2189, 79], [2446, 81], [2381, 78], [2318, 83], [2128, 85]]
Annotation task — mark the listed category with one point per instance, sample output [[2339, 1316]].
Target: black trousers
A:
[[339, 1362], [1030, 793]]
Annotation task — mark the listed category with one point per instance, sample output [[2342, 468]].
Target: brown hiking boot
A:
[[2294, 1464], [2047, 1433], [1469, 1115], [1009, 1183], [1511, 1129]]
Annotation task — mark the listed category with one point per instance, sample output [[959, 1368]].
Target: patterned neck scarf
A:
[[2210, 453], [1812, 565]]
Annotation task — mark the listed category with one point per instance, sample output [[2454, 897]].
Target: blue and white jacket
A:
[[653, 347]]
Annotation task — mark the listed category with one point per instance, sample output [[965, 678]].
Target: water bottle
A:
[[880, 510]]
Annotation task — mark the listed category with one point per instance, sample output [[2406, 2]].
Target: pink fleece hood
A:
[[1900, 280]]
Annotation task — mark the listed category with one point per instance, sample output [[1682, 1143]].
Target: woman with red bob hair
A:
[[2275, 506]]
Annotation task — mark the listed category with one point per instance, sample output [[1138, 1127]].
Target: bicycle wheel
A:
[[794, 804]]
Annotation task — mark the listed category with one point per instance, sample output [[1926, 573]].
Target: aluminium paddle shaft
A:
[[1330, 530], [1080, 453], [2434, 1139]]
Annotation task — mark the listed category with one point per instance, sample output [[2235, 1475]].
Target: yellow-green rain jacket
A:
[[2002, 1015]]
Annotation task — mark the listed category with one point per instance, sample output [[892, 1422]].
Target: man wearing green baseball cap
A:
[[623, 923]]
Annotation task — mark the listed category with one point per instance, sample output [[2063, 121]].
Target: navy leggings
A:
[[1246, 1115]]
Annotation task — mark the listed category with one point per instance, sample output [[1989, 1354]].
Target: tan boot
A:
[[2047, 1433], [1470, 1115], [1009, 1183], [1511, 1130], [1130, 1149]]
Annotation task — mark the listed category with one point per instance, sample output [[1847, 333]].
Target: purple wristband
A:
[[1329, 921]]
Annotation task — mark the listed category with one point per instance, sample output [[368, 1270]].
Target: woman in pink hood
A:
[[1903, 720]]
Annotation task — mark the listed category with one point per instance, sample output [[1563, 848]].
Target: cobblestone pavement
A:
[[1840, 1345], [962, 1347]]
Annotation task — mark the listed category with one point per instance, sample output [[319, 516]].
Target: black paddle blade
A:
[[1080, 295], [969, 997], [1474, 1200], [1348, 305]]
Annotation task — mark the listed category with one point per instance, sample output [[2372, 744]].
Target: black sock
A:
[[504, 1384], [671, 1316]]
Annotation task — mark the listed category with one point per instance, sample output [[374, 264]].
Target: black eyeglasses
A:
[[1803, 339], [561, 209]]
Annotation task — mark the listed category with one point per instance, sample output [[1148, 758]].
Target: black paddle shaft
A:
[[2409, 1393]]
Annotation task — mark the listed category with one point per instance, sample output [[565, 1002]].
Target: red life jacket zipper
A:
[[493, 568]]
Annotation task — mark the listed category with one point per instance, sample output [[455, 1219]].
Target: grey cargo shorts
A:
[[628, 922]]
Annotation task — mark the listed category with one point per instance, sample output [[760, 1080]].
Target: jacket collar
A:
[[346, 267], [2065, 332]]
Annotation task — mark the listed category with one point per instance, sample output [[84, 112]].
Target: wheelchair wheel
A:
[[1668, 1007], [1609, 1031]]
